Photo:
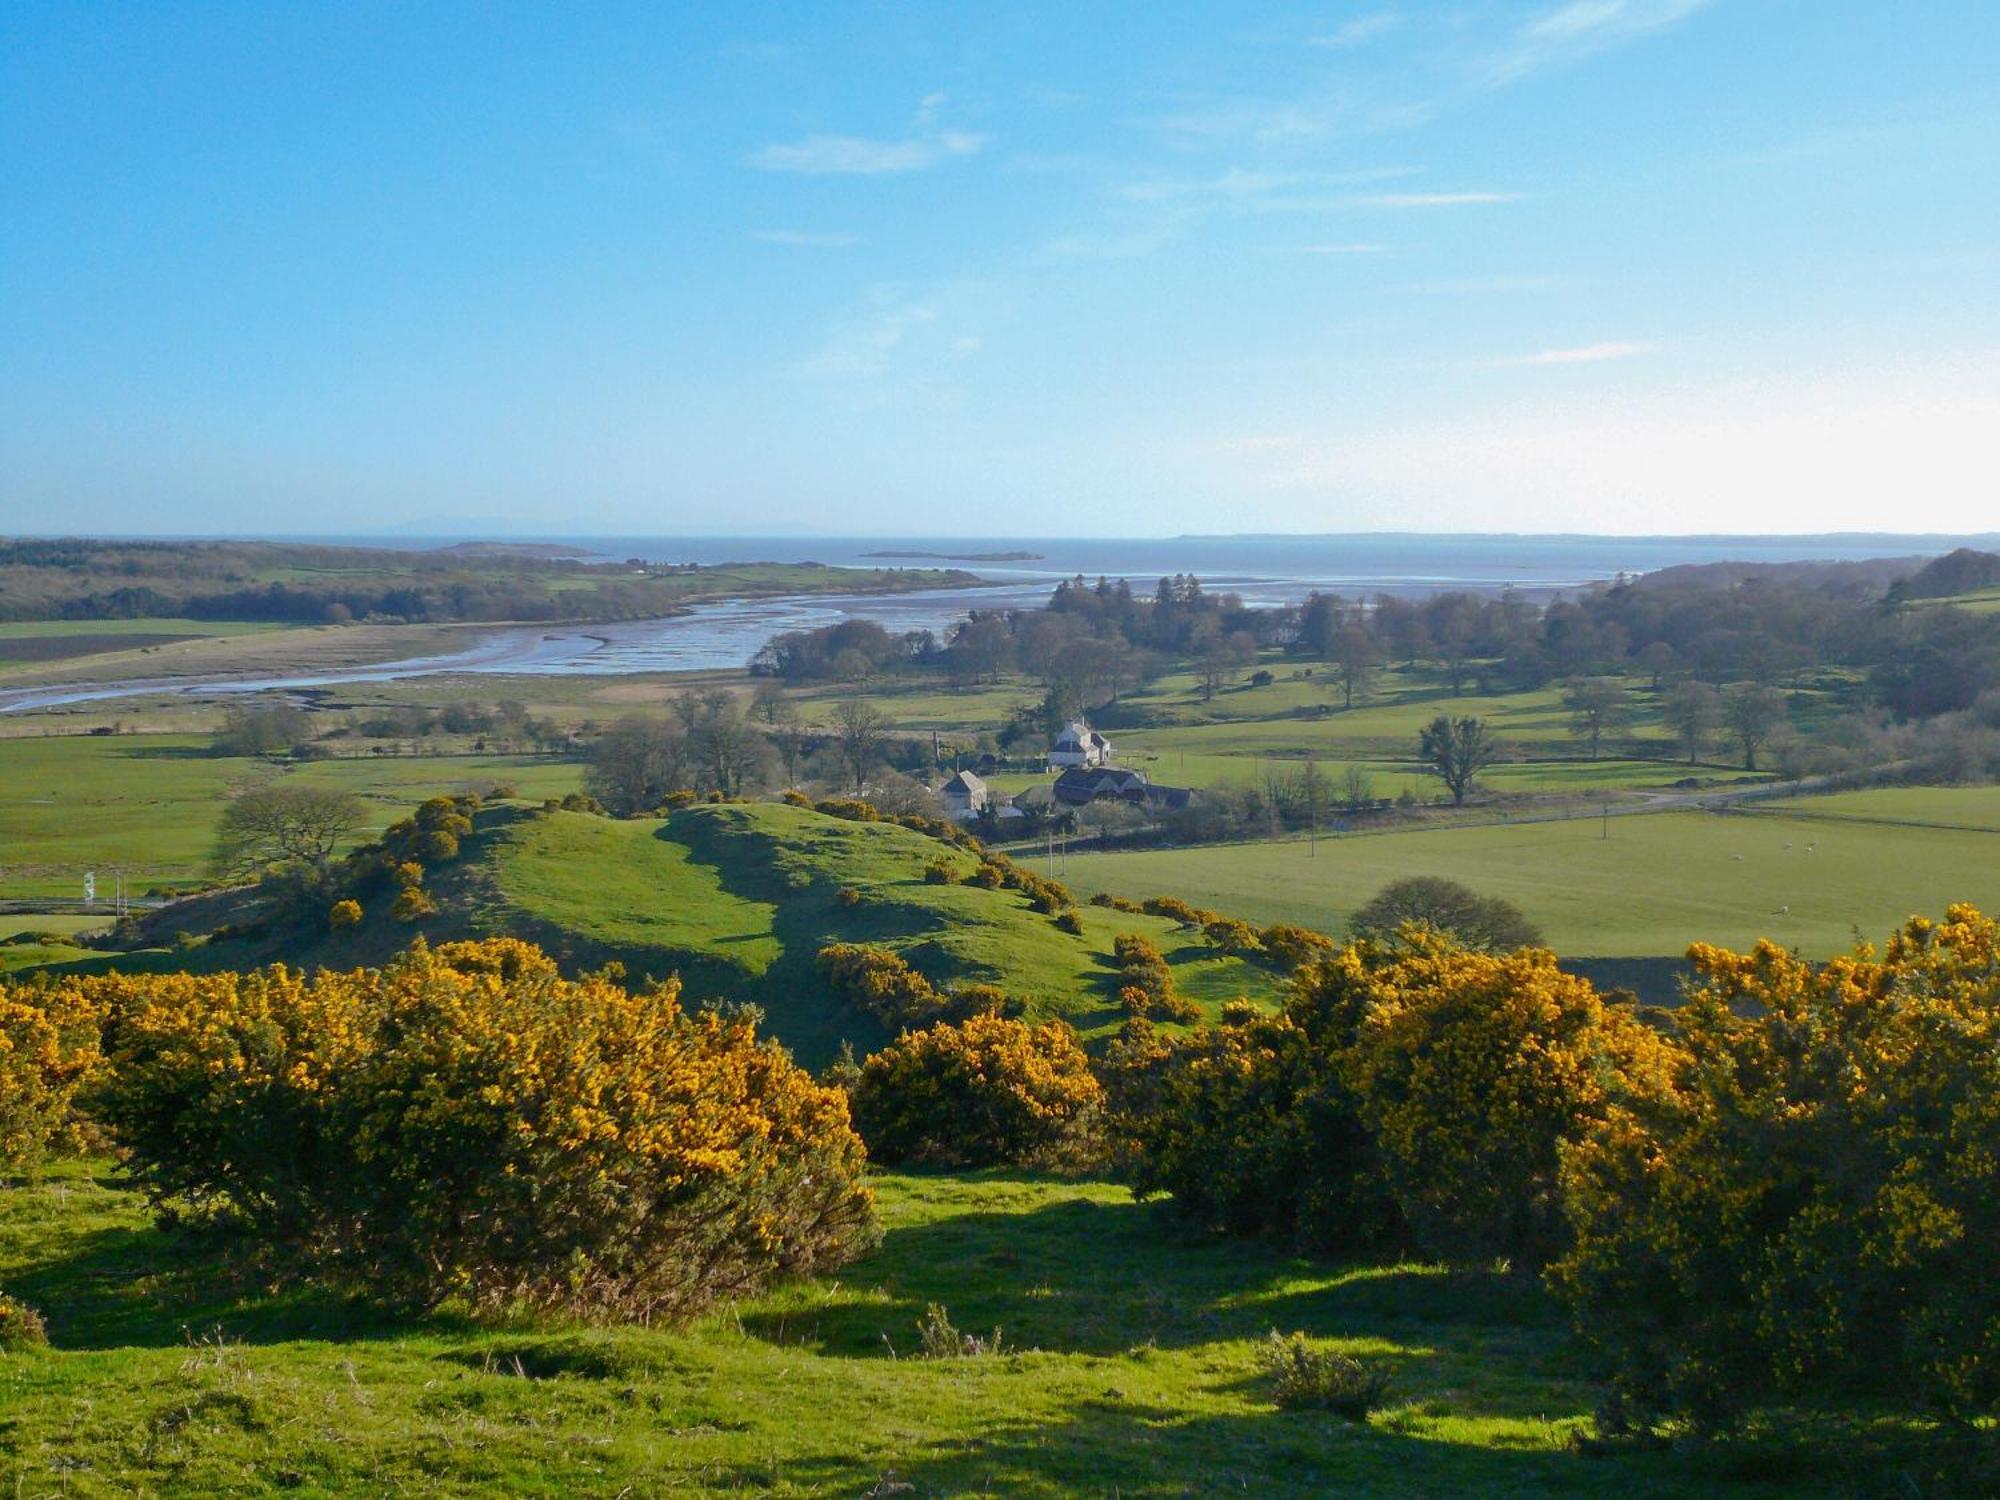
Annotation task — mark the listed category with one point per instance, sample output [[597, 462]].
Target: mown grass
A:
[[1131, 1368], [1655, 884], [739, 899]]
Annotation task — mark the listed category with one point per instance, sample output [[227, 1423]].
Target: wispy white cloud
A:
[[1359, 31], [805, 239], [1480, 286], [1582, 354], [1435, 200], [1360, 248], [900, 346], [925, 144], [853, 155], [1576, 30]]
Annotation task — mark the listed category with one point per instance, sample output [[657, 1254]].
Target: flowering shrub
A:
[[1251, 1128], [1232, 936], [1818, 1213], [21, 1327], [1141, 966], [1292, 948], [1416, 1095], [48, 1048], [1068, 921], [344, 914], [466, 1123], [1472, 1072], [880, 983], [988, 1092]]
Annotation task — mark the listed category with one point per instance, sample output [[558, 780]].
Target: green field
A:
[[739, 900], [1130, 1369], [149, 803], [1657, 883]]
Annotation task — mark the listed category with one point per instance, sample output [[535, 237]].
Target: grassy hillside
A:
[[1130, 1368], [1802, 876], [740, 898]]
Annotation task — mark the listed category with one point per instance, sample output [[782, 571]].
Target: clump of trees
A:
[[1489, 924], [467, 1123]]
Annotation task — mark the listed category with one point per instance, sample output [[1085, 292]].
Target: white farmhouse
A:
[[964, 795], [1078, 745]]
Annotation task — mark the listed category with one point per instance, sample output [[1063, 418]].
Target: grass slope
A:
[[1657, 883], [740, 898], [1131, 1369]]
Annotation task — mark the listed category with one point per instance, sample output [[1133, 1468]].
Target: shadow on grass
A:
[[1084, 1276], [1112, 1446], [152, 1288]]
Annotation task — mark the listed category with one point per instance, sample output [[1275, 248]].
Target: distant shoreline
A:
[[976, 557]]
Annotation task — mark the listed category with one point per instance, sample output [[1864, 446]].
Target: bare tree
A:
[[859, 728], [1753, 715], [636, 762], [281, 826], [1693, 711], [1597, 706], [1354, 660], [1456, 751]]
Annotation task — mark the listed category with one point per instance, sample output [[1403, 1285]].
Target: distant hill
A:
[[1964, 571], [738, 899], [1873, 575]]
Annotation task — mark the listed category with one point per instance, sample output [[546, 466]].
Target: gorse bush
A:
[[989, 1092], [21, 1327], [465, 1123], [48, 1051], [881, 983], [1417, 1095], [1818, 1213], [1472, 1072], [1251, 1128], [1292, 948]]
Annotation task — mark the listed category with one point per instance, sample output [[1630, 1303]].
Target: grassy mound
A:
[[739, 899]]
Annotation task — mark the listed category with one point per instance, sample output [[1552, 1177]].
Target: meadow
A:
[[148, 804], [1633, 886], [1130, 1367]]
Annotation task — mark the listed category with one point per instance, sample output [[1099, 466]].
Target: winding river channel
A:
[[711, 636]]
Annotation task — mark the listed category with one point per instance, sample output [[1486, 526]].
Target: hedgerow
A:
[[465, 1123]]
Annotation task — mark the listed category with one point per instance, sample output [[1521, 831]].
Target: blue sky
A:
[[1605, 265]]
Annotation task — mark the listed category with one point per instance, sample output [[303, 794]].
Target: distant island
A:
[[963, 556]]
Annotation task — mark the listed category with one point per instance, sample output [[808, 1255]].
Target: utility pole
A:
[[1604, 824]]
